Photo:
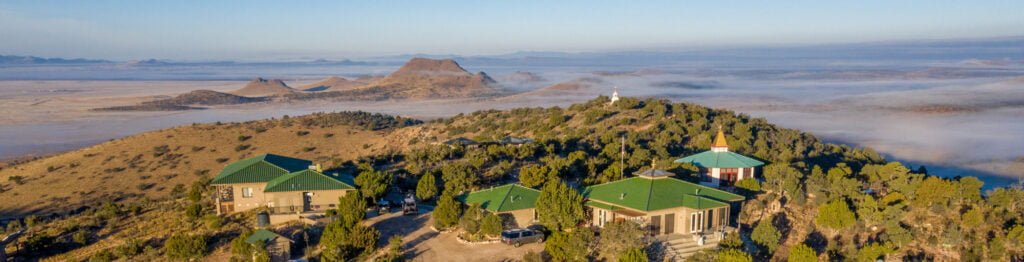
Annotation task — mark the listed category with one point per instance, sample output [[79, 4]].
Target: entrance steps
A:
[[680, 247]]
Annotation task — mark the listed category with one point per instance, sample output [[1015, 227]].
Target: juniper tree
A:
[[426, 188], [447, 212], [559, 206]]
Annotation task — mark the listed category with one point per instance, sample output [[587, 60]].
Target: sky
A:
[[281, 30]]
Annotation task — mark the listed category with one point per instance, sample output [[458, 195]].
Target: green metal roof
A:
[[709, 159], [648, 194], [309, 180], [601, 205], [503, 198], [263, 235], [259, 169]]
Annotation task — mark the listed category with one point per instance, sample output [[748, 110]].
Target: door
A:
[[655, 225], [670, 223], [696, 222], [307, 199]]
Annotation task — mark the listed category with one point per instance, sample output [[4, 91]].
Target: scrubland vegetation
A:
[[816, 200]]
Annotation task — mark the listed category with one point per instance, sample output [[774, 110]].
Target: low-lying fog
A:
[[957, 117]]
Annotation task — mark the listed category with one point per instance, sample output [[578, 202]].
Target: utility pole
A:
[[622, 157]]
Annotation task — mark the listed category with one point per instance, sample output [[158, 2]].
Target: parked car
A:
[[517, 237]]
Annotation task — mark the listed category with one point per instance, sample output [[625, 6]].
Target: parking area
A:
[[423, 244]]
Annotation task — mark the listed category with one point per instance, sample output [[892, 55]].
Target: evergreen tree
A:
[[802, 253], [185, 247], [559, 206], [447, 212], [633, 255], [733, 255], [351, 208], [535, 175], [618, 237], [373, 183], [568, 246], [426, 188], [835, 215], [766, 235], [491, 225]]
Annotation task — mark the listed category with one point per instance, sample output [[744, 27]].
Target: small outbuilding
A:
[[513, 200], [278, 247]]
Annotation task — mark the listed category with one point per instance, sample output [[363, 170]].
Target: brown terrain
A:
[[429, 78], [150, 164], [187, 100], [522, 78], [333, 83], [264, 87]]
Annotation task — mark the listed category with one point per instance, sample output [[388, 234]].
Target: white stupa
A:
[[615, 95]]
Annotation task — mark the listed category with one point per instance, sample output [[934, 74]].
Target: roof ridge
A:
[[650, 193], [504, 198]]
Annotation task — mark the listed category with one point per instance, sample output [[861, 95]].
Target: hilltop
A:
[[419, 78], [333, 83], [186, 101], [264, 87]]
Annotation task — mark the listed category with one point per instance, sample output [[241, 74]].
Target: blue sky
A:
[[272, 30]]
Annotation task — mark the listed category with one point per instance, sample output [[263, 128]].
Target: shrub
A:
[[17, 179], [185, 247], [222, 160], [447, 212], [491, 225], [302, 133], [633, 255], [130, 248], [243, 138], [835, 215], [766, 234], [213, 222], [194, 211], [531, 256], [733, 255], [102, 256], [240, 148], [426, 188], [802, 253], [161, 150], [80, 237], [568, 246]]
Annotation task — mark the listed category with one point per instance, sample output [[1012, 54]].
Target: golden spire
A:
[[720, 139]]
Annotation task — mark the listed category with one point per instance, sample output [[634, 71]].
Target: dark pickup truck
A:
[[517, 237]]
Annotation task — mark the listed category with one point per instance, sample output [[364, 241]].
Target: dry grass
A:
[[150, 164]]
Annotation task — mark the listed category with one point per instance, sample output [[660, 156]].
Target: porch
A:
[[678, 247]]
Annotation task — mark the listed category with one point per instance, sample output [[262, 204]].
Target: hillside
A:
[[186, 101], [206, 98], [844, 203], [151, 164], [420, 78], [333, 83], [264, 87]]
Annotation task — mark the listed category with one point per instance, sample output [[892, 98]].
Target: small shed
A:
[[278, 247], [513, 200]]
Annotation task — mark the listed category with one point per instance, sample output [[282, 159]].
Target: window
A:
[[246, 192]]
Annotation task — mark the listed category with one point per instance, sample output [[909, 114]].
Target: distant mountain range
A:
[[34, 60], [943, 49]]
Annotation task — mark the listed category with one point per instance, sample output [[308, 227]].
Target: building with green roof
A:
[[513, 200], [664, 204], [277, 246], [283, 184], [719, 167]]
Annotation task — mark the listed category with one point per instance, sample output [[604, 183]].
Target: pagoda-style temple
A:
[[719, 167]]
